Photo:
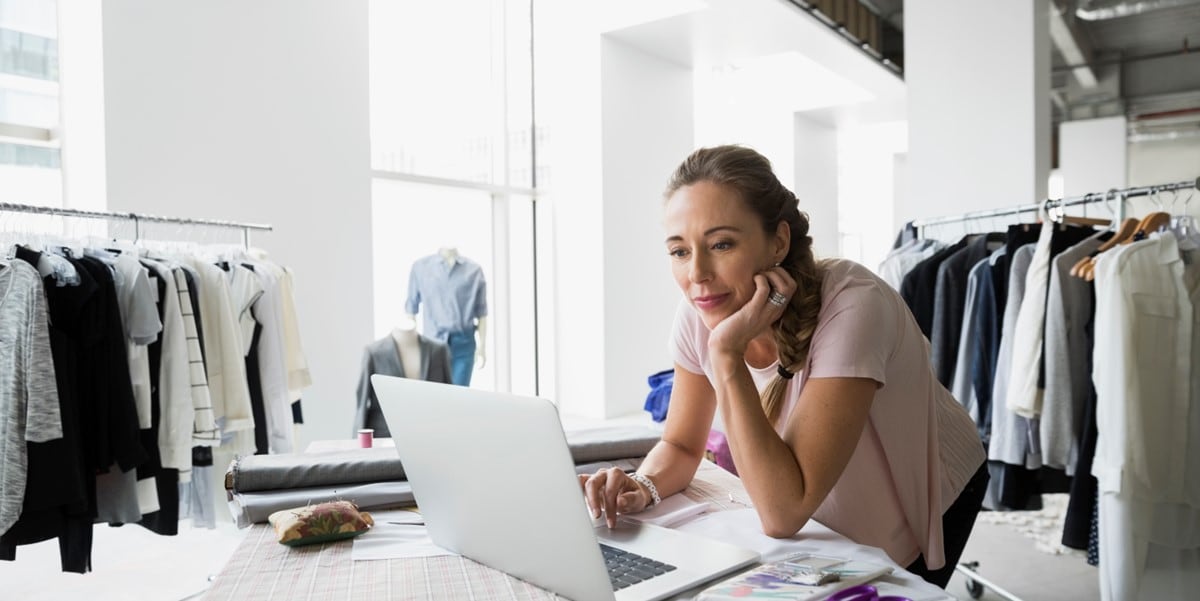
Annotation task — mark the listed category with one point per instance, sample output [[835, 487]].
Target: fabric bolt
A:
[[383, 357], [1147, 307], [917, 437], [29, 402], [462, 357], [1068, 308], [949, 302], [450, 297]]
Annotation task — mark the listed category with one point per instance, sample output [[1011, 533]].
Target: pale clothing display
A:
[[175, 380], [919, 447], [1024, 397], [28, 394], [272, 358], [223, 349], [1147, 460]]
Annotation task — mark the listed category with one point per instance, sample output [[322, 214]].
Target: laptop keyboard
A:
[[626, 569]]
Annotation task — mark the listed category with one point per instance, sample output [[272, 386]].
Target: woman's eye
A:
[[677, 252], [723, 245]]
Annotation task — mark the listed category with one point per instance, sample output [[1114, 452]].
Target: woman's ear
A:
[[783, 241]]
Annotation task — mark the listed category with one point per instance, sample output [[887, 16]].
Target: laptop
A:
[[495, 482]]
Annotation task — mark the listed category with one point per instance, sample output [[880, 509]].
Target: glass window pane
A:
[[438, 86], [413, 221]]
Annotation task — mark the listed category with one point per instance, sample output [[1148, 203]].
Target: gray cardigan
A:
[[382, 357]]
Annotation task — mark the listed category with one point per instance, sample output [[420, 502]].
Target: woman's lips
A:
[[705, 303]]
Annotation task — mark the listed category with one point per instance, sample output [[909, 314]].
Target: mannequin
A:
[[407, 344], [480, 339], [449, 291]]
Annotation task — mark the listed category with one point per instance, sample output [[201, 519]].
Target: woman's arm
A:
[[671, 464], [788, 478]]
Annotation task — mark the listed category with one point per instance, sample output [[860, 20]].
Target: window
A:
[[30, 151]]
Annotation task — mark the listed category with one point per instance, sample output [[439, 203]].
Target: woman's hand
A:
[[613, 492], [735, 332]]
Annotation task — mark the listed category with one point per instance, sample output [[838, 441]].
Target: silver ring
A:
[[777, 299]]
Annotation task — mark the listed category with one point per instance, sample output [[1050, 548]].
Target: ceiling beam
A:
[[1074, 47]]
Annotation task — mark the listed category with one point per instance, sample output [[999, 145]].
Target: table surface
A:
[[261, 569]]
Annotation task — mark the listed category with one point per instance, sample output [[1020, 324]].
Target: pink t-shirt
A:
[[919, 447]]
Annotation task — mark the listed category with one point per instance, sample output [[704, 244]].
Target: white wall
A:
[[1164, 162], [978, 114], [1092, 155], [81, 104], [647, 131], [257, 112], [569, 56], [816, 182]]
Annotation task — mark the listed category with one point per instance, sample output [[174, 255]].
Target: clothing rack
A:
[[136, 218], [1121, 195], [976, 583]]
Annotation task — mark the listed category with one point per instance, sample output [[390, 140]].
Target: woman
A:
[[817, 371]]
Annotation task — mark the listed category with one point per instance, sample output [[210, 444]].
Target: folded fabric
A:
[[294, 470], [257, 507], [320, 523]]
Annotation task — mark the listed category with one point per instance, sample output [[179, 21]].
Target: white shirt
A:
[[1147, 460], [1024, 397]]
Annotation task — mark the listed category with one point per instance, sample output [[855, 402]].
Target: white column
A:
[[1092, 155], [257, 112], [81, 104], [816, 182], [979, 112]]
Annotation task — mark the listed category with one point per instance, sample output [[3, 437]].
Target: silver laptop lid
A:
[[493, 477]]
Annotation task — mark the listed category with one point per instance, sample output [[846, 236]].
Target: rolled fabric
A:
[[379, 464], [255, 507]]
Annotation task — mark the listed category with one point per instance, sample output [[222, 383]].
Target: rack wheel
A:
[[974, 589]]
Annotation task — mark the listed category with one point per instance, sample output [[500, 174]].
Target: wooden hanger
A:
[[1152, 223], [1124, 232]]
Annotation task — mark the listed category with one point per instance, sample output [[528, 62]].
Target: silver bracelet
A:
[[644, 481]]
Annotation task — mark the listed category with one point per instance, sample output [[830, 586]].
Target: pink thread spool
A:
[[366, 438]]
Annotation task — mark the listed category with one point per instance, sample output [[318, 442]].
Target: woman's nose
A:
[[699, 270]]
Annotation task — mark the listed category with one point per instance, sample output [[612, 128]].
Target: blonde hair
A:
[[749, 174]]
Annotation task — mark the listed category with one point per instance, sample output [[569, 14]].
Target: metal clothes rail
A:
[[976, 583], [1120, 195], [136, 218]]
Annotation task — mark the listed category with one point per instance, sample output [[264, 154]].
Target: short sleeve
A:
[[480, 309], [144, 324], [689, 339], [856, 333]]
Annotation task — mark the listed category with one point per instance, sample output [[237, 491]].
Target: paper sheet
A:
[[672, 511], [396, 534]]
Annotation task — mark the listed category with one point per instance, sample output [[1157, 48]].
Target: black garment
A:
[[907, 234], [1077, 525], [950, 299], [957, 523], [166, 519], [58, 499], [257, 406], [297, 412], [919, 284], [107, 371]]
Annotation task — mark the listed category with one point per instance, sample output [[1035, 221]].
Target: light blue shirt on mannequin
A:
[[454, 295]]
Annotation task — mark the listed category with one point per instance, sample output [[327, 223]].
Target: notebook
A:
[[494, 478]]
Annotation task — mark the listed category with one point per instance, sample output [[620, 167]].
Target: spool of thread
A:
[[366, 438]]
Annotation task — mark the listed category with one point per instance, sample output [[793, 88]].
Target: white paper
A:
[[396, 534], [672, 511]]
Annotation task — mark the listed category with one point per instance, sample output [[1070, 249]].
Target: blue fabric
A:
[[660, 394], [454, 296], [987, 348], [462, 358]]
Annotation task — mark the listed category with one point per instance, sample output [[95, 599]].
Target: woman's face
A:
[[717, 245]]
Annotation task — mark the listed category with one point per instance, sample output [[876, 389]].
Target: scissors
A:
[[863, 592]]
